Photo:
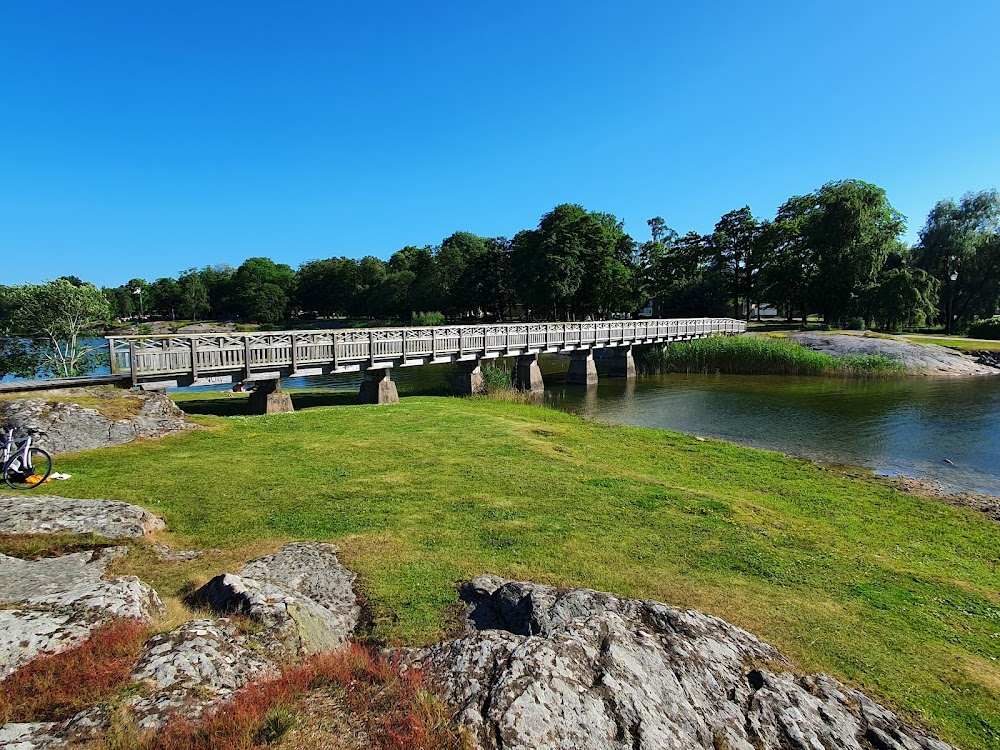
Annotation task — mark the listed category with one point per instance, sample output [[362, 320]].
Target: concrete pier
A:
[[468, 379], [622, 363], [527, 374], [582, 369], [268, 398], [378, 388]]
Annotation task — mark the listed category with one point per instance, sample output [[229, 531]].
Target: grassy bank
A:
[[962, 345], [894, 593], [761, 355]]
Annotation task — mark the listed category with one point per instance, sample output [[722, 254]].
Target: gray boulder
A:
[[52, 604], [547, 668], [302, 594], [60, 426], [193, 667], [44, 514]]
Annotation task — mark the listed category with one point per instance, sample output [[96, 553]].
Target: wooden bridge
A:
[[171, 361]]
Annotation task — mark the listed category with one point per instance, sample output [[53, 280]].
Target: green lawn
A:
[[896, 594], [961, 344]]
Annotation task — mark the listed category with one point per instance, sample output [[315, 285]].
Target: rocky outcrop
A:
[[60, 426], [545, 668], [919, 359], [301, 599], [302, 594], [193, 667], [52, 604], [987, 358], [43, 514]]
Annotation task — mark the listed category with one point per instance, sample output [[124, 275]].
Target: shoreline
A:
[[988, 505]]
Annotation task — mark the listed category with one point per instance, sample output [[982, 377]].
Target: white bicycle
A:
[[24, 466]]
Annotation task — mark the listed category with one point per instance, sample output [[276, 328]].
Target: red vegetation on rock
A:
[[54, 687], [394, 707]]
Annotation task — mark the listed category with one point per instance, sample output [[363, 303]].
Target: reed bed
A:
[[760, 355], [499, 381]]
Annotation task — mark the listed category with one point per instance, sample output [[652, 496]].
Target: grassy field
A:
[[963, 345], [896, 594], [762, 355]]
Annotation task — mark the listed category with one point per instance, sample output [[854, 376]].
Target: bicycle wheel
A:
[[28, 477]]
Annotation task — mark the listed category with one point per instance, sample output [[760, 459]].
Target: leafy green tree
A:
[[371, 274], [192, 295], [218, 281], [489, 278], [689, 280], [903, 299], [566, 267], [458, 262], [851, 228], [264, 290], [265, 303], [163, 296], [964, 239], [738, 249], [45, 327]]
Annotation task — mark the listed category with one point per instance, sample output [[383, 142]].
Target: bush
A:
[[145, 329], [427, 319], [985, 329], [855, 324]]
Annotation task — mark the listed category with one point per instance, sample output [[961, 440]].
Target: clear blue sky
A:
[[143, 138]]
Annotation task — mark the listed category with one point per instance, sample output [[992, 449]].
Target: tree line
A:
[[835, 252]]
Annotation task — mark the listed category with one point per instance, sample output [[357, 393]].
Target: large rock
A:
[[546, 668], [919, 359], [302, 594], [60, 426], [52, 604], [43, 514], [195, 666]]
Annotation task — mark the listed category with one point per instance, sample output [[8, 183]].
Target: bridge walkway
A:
[[177, 360]]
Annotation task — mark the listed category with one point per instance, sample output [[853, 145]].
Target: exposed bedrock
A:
[[62, 427], [546, 668], [43, 514]]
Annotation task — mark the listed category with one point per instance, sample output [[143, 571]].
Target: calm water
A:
[[907, 427]]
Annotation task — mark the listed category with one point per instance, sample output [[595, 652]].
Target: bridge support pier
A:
[[468, 379], [268, 398], [528, 375], [582, 369], [378, 388], [622, 363]]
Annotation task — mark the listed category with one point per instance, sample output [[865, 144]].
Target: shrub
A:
[[427, 319], [985, 329], [56, 686], [145, 329], [856, 324]]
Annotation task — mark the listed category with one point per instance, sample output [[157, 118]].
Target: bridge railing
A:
[[204, 353]]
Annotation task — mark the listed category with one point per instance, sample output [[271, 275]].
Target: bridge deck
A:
[[202, 359]]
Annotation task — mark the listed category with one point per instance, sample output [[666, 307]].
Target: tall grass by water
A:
[[761, 355]]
